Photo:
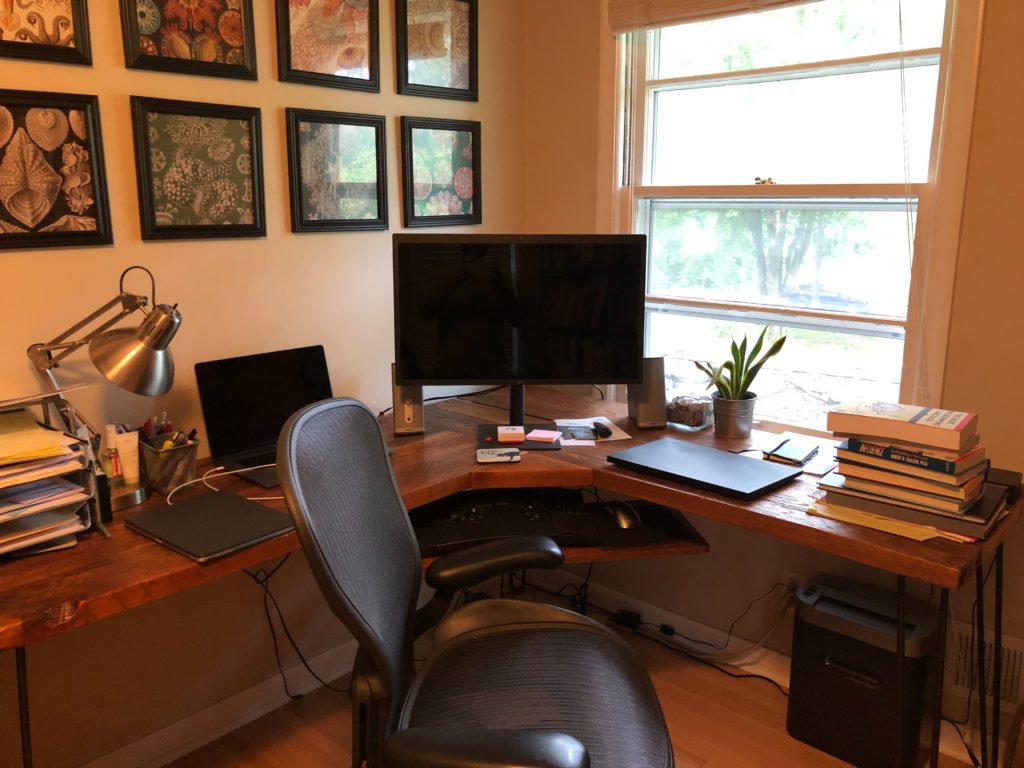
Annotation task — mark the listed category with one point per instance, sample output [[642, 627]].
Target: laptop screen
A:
[[246, 400]]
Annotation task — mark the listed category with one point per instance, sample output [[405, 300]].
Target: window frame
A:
[[938, 208]]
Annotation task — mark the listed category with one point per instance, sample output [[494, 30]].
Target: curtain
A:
[[630, 15]]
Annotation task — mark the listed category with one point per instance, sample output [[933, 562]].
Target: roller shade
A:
[[629, 15]]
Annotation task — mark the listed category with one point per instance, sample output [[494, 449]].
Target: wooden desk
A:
[[55, 592]]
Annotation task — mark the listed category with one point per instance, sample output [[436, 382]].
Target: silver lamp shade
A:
[[137, 359]]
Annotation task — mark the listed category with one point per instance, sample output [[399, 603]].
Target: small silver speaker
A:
[[647, 399], [407, 405]]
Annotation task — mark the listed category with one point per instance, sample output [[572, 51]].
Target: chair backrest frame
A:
[[356, 534]]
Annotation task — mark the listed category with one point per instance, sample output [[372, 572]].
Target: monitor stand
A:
[[487, 434]]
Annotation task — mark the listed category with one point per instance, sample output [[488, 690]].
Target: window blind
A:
[[629, 15]]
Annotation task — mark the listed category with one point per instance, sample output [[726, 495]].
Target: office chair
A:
[[507, 682]]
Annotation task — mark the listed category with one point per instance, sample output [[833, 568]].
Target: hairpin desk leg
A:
[[979, 672], [901, 645], [940, 672], [26, 731], [997, 655]]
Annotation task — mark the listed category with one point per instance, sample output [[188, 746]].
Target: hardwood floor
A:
[[715, 722]]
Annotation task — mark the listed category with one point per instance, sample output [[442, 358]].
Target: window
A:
[[777, 162]]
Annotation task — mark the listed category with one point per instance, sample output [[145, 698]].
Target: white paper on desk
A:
[[617, 434], [569, 443]]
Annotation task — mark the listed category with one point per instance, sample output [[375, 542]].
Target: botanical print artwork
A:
[[338, 169], [46, 173], [442, 164], [40, 22], [438, 43], [330, 37], [196, 30], [201, 170]]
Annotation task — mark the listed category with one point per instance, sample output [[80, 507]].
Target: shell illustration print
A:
[[47, 182]]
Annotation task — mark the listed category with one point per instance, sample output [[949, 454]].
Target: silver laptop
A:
[[246, 400]]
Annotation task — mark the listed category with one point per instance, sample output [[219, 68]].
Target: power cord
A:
[[451, 397], [215, 473], [262, 577], [970, 752]]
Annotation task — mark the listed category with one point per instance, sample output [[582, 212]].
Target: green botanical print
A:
[[442, 164], [201, 169], [339, 171]]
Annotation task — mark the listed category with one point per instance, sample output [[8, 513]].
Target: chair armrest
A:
[[469, 567], [481, 748]]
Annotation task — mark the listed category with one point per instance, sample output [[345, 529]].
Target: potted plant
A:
[[733, 400]]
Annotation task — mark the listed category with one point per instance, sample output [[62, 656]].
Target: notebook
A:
[[211, 525], [246, 400], [727, 473]]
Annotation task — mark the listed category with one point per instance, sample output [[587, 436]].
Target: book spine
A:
[[902, 456]]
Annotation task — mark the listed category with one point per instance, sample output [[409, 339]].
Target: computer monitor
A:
[[519, 309]]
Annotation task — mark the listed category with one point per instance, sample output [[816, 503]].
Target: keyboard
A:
[[473, 517]]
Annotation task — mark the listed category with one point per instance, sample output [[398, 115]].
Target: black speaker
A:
[[407, 404], [647, 399]]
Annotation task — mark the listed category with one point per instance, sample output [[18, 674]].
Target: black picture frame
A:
[[309, 153], [41, 41], [432, 183], [53, 189], [179, 197], [207, 39], [416, 42], [289, 69]]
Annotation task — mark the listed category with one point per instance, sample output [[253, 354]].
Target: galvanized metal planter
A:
[[734, 418]]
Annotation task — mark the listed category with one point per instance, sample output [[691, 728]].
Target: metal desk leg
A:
[[26, 731], [979, 578], [901, 639], [940, 674], [997, 655]]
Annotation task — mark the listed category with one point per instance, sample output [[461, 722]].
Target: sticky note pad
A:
[[544, 435], [511, 435]]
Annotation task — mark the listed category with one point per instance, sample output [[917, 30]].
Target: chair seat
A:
[[507, 664]]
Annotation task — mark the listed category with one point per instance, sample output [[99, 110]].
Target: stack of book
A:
[[44, 484], [922, 466]]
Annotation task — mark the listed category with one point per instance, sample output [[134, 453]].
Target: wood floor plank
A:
[[715, 721]]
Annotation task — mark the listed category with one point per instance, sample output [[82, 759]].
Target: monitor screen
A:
[[498, 309]]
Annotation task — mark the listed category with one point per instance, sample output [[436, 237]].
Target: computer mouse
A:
[[624, 514], [601, 429]]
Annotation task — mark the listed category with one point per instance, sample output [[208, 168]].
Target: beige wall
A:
[[99, 688]]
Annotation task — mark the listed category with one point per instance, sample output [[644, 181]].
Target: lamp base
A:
[[125, 495]]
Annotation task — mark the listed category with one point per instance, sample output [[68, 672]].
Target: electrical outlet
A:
[[794, 581]]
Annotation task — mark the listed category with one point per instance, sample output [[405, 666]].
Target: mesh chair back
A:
[[354, 529]]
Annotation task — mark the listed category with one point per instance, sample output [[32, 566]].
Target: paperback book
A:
[[950, 430], [889, 493], [964, 489], [915, 456]]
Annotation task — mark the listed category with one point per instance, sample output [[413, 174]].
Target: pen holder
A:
[[170, 467]]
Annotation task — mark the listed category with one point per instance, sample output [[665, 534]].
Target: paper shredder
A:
[[842, 696]]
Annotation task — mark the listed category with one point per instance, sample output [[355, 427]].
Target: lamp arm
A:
[[42, 354]]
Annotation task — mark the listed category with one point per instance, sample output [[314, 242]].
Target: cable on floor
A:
[[262, 577]]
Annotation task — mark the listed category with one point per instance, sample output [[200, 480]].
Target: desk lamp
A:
[[136, 359]]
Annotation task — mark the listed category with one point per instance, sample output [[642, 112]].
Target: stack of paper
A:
[[37, 504]]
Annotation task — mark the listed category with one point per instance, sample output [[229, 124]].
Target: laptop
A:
[[246, 401], [708, 468], [211, 525]]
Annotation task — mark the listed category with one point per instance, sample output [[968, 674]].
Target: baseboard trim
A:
[[206, 725]]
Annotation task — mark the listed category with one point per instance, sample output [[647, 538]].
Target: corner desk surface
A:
[[49, 593]]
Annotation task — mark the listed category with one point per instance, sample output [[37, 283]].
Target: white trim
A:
[[940, 213], [741, 191], [209, 724]]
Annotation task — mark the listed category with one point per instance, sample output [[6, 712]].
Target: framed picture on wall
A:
[[437, 48], [329, 42], [192, 37], [45, 30], [336, 171], [440, 172], [199, 169], [53, 189]]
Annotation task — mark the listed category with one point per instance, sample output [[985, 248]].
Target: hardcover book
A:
[[936, 427], [891, 494], [976, 521], [947, 462], [954, 486]]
